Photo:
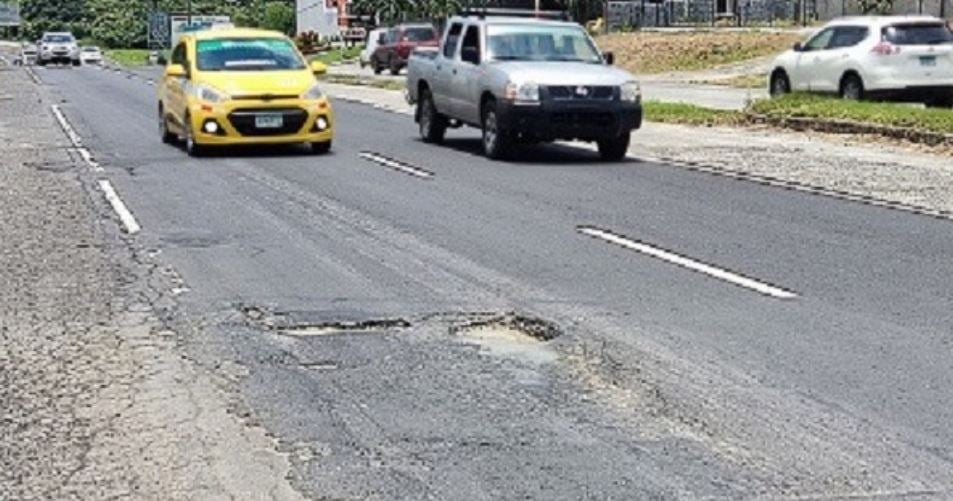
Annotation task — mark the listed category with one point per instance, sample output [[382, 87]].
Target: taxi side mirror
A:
[[318, 68], [175, 71]]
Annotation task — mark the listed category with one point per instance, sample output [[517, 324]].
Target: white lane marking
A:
[[396, 165], [691, 264], [75, 139], [128, 220]]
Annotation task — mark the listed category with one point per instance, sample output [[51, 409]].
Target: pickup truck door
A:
[[466, 77], [442, 80]]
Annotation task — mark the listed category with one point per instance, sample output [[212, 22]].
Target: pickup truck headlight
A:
[[630, 92], [527, 93], [209, 94], [313, 93]]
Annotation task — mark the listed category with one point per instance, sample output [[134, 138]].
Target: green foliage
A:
[[279, 16], [683, 113], [392, 11], [889, 114], [123, 23], [876, 6]]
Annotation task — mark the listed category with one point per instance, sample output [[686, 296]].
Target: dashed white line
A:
[[688, 263], [395, 164], [125, 216]]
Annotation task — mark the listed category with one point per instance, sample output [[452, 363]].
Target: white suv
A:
[[58, 48], [906, 58]]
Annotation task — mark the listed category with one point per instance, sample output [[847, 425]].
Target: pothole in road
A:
[[511, 336], [309, 324]]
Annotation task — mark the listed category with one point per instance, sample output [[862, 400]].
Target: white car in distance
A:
[[902, 58], [91, 54]]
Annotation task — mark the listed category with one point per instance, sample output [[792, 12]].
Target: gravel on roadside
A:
[[96, 399]]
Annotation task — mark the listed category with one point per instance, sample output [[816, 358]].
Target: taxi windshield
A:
[[247, 54]]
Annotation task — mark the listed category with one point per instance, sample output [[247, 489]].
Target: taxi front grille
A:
[[244, 121]]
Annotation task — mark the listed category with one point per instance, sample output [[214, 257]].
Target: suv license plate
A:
[[269, 121], [927, 60]]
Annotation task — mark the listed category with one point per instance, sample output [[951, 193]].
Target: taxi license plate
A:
[[927, 60], [269, 121]]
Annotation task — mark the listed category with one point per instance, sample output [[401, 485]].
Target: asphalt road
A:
[[666, 382]]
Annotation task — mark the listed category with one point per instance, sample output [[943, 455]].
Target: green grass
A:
[[337, 55], [690, 114], [888, 114], [128, 57], [365, 82]]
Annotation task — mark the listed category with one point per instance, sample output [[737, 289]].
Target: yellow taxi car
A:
[[235, 86]]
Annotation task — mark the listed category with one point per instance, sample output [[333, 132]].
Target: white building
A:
[[319, 16]]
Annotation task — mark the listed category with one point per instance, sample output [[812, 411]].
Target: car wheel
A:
[[496, 143], [614, 149], [321, 148], [780, 84], [41, 62], [940, 102], [376, 66], [167, 137], [433, 125], [851, 87], [191, 147], [394, 68], [76, 63]]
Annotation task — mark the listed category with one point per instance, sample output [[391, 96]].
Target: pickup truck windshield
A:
[[525, 42], [247, 54]]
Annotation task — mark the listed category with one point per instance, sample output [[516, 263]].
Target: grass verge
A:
[[337, 55], [365, 82], [128, 57], [806, 106], [660, 52], [689, 114]]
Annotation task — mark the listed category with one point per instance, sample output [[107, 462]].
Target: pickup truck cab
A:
[[395, 45], [523, 80]]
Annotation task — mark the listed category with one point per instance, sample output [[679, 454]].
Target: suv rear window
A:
[[419, 34], [918, 34]]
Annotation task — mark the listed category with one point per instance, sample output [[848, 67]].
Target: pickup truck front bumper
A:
[[552, 120]]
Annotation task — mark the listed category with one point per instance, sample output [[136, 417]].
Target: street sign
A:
[[160, 37], [9, 15], [179, 24]]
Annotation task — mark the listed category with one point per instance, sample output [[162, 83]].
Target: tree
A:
[[279, 16], [53, 15]]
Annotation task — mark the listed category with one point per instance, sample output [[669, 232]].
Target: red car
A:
[[395, 45]]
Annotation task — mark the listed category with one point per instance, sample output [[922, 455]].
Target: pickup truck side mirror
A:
[[470, 55], [609, 58]]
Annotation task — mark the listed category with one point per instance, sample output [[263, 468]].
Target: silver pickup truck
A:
[[523, 81]]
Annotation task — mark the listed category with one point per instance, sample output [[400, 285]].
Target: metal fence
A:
[[634, 14]]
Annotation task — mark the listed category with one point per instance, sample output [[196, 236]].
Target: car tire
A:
[[77, 63], [166, 136], [614, 149], [780, 84], [940, 102], [433, 125], [394, 68], [376, 66], [496, 143], [852, 87], [41, 62], [191, 147], [321, 148]]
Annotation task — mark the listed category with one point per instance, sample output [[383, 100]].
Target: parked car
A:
[[91, 55], [370, 45], [904, 58], [523, 80], [227, 87], [58, 48], [395, 46], [28, 54]]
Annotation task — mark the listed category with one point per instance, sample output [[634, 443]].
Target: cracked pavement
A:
[[97, 400]]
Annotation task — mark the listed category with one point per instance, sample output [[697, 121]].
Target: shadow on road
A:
[[544, 153]]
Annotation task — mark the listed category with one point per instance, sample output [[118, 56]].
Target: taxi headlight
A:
[[313, 93], [208, 94], [630, 92]]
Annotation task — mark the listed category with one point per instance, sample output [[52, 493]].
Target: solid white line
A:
[[128, 220], [670, 257], [406, 169], [75, 139]]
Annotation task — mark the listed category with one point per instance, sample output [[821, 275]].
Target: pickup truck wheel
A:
[[614, 149], [496, 143], [433, 125]]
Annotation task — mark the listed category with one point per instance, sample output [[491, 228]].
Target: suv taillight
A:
[[885, 49]]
